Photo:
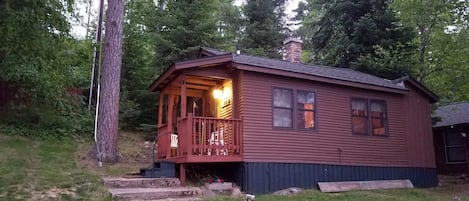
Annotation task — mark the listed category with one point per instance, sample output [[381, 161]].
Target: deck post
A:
[[182, 174], [170, 124], [160, 110], [183, 97]]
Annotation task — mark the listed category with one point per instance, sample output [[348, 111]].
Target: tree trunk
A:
[[108, 116]]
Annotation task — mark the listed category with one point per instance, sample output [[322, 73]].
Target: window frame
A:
[[295, 109], [314, 110], [385, 118], [292, 110], [445, 133], [369, 117]]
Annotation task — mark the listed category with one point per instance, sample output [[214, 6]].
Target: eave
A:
[[174, 70]]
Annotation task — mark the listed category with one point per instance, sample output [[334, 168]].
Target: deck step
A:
[[120, 182], [130, 194], [159, 170]]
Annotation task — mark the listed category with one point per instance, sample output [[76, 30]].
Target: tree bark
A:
[[108, 114]]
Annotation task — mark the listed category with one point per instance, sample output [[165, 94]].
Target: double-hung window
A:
[[369, 117], [305, 109], [455, 145], [293, 109], [283, 107]]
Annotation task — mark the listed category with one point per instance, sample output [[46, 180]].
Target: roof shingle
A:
[[452, 114], [316, 70]]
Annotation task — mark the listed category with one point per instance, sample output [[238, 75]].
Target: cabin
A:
[[269, 124], [450, 135]]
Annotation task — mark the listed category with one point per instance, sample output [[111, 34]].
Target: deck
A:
[[202, 140]]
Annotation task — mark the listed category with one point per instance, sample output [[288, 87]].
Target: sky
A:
[[79, 28]]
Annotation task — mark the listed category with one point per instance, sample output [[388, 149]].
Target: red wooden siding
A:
[[332, 142], [419, 129]]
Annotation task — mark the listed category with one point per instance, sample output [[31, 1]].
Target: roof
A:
[[433, 97], [452, 114], [342, 76]]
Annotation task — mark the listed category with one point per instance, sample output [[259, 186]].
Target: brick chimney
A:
[[292, 48]]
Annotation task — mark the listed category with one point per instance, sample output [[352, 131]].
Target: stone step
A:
[[128, 194], [120, 182]]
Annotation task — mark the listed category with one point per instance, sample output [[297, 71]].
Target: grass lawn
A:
[[58, 170], [433, 194], [45, 170]]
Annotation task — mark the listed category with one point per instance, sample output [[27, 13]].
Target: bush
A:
[[46, 122]]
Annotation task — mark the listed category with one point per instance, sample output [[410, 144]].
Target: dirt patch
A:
[[136, 153], [54, 193]]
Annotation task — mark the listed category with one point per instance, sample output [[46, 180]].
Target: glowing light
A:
[[218, 94]]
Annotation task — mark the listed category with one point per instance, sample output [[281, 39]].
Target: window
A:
[[378, 117], [283, 107], [303, 109], [369, 117], [455, 145]]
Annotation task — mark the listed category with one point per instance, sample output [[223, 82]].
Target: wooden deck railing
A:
[[208, 136], [163, 142]]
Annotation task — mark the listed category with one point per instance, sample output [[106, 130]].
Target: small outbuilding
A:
[[450, 138]]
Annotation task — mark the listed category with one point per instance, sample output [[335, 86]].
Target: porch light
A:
[[217, 93]]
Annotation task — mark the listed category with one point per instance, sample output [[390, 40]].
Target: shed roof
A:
[[452, 114]]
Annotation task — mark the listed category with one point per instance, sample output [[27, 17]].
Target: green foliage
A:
[[137, 104], [442, 41], [38, 54], [44, 124], [347, 33], [184, 26], [263, 34]]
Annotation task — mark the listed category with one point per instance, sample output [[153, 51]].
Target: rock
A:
[[207, 193], [220, 187], [236, 192], [456, 198], [288, 191]]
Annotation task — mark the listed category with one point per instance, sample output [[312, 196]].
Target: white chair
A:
[[217, 139], [174, 141], [174, 145]]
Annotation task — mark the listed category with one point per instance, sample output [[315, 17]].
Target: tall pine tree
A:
[[264, 28], [185, 26], [361, 34]]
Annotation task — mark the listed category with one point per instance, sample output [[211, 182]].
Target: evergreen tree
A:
[[361, 34], [185, 26], [138, 104], [264, 28]]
